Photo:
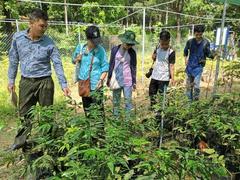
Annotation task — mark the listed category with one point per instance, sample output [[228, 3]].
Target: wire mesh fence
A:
[[66, 42]]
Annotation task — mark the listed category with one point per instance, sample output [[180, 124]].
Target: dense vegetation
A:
[[69, 146]]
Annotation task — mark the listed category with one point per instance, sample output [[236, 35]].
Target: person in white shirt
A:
[[163, 68]]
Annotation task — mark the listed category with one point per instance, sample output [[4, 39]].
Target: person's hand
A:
[[78, 58], [67, 91], [11, 87], [172, 82], [202, 145], [100, 84], [154, 56], [134, 87]]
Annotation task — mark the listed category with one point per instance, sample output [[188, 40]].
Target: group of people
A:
[[35, 51], [119, 73]]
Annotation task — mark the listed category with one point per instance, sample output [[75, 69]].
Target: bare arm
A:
[[103, 76], [172, 59], [186, 60], [104, 69]]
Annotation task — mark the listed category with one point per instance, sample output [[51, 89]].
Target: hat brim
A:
[[97, 41], [127, 41]]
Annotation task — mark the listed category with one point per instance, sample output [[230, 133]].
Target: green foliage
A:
[[7, 158], [75, 147], [65, 43], [232, 70], [215, 121], [11, 5], [93, 15]]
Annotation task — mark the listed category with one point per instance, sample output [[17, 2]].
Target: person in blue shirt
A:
[[83, 55], [196, 51], [34, 51]]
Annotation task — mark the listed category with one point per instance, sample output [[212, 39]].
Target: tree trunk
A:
[[150, 21], [179, 8], [178, 29], [127, 19]]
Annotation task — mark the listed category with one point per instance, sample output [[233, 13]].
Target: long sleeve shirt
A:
[[34, 58], [99, 66], [133, 63]]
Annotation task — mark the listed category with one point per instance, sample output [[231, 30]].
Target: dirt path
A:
[[7, 134]]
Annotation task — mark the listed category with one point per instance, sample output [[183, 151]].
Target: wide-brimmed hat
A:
[[128, 37], [93, 34]]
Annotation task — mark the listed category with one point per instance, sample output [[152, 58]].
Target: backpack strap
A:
[[170, 51], [190, 43], [155, 52]]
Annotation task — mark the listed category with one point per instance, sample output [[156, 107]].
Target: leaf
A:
[[54, 178], [117, 169], [137, 149], [45, 161], [45, 128], [62, 158], [111, 167], [220, 158], [139, 141], [151, 177], [1, 125], [213, 156], [65, 146], [126, 158], [129, 175], [132, 157], [171, 144], [237, 151], [209, 151]]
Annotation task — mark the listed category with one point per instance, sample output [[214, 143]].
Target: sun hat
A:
[[128, 37]]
